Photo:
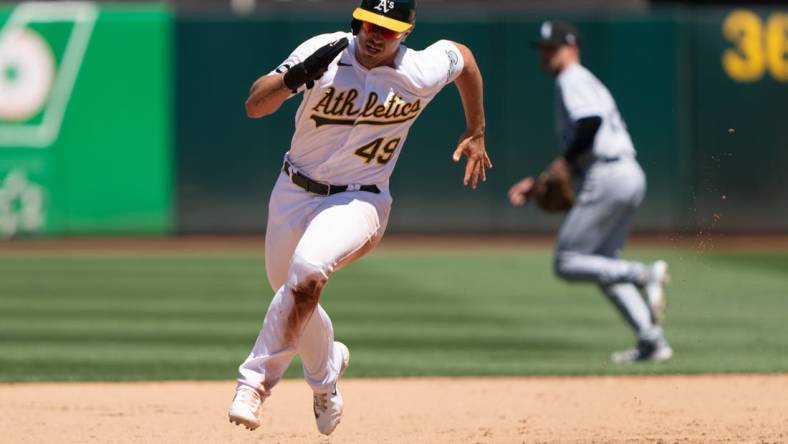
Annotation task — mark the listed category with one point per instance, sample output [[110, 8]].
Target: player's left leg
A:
[[610, 195], [343, 230]]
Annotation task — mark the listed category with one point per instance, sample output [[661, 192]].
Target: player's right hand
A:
[[518, 193]]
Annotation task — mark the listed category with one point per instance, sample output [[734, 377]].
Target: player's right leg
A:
[[625, 295], [288, 210], [651, 343], [280, 245]]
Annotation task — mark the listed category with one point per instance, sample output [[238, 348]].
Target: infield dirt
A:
[[664, 409]]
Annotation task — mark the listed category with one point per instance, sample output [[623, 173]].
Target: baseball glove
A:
[[553, 190], [314, 66]]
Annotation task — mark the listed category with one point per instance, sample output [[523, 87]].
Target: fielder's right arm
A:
[[267, 94]]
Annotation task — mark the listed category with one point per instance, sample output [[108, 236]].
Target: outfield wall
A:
[[678, 77], [153, 137], [426, 185]]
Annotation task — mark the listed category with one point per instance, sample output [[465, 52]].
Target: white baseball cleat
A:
[[246, 406], [328, 406], [654, 289], [645, 351]]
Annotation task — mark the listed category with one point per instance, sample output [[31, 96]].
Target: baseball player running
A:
[[362, 91], [596, 148]]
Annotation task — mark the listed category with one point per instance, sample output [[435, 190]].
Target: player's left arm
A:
[[582, 141], [471, 87]]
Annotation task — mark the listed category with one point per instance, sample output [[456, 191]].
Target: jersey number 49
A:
[[369, 152]]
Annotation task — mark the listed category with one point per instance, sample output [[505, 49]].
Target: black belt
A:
[[321, 188], [608, 159]]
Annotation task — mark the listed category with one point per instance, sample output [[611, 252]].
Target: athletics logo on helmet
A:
[[396, 15]]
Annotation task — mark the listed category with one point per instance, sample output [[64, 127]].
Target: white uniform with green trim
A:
[[350, 130], [351, 126]]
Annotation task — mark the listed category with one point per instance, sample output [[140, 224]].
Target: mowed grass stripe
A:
[[403, 312]]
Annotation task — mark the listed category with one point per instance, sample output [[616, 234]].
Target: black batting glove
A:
[[311, 69]]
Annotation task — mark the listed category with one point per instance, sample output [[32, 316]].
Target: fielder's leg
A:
[[590, 243], [651, 342], [583, 258], [586, 229], [625, 295], [594, 232]]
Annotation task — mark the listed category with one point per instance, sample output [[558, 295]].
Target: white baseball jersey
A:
[[580, 94], [350, 128]]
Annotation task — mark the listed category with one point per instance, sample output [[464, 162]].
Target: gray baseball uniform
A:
[[612, 186]]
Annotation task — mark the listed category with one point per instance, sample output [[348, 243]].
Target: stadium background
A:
[[133, 196], [155, 139]]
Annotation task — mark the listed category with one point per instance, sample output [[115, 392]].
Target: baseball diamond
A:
[[114, 310]]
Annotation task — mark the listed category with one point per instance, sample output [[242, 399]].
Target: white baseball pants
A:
[[308, 237], [593, 234]]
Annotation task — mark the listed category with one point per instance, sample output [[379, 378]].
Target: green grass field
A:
[[142, 316]]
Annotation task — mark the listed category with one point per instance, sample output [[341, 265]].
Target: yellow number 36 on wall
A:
[[756, 49]]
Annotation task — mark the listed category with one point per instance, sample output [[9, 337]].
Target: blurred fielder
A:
[[597, 150], [362, 91]]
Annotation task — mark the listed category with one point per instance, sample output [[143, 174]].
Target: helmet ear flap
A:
[[355, 25]]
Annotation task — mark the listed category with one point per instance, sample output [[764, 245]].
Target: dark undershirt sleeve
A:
[[582, 139]]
